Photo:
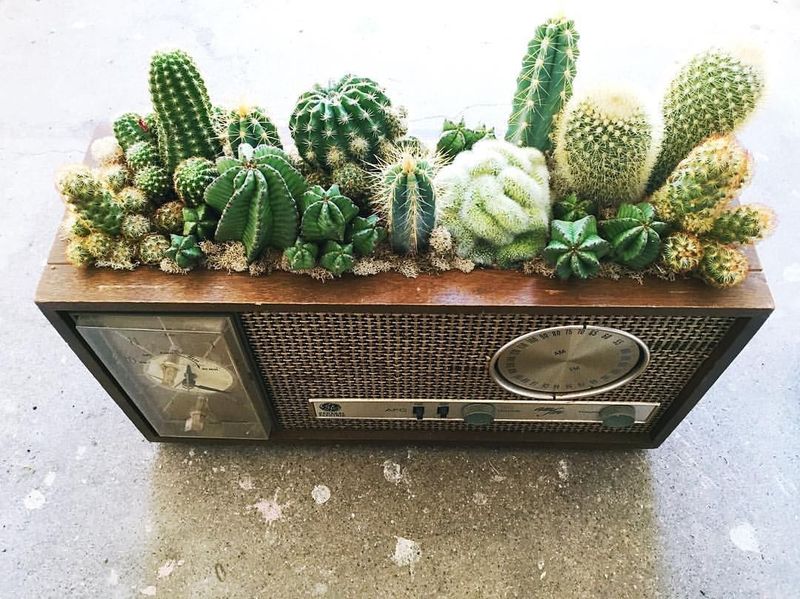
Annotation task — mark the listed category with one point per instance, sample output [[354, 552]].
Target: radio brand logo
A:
[[330, 407]]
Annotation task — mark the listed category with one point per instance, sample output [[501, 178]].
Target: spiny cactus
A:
[[135, 226], [250, 125], [605, 147], [457, 137], [191, 178], [344, 122], [325, 214], [257, 196], [336, 257], [77, 254], [154, 183], [184, 251], [97, 244], [85, 194], [572, 208], [182, 108], [130, 128], [635, 234], [152, 248], [200, 221], [114, 176], [703, 184], [575, 248], [743, 224], [681, 252], [493, 196], [106, 151], [121, 257], [169, 217], [713, 94], [302, 255], [408, 201], [353, 180], [142, 154], [132, 200], [544, 84], [80, 228], [722, 266]]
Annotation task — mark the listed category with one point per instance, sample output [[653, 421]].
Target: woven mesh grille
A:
[[303, 355]]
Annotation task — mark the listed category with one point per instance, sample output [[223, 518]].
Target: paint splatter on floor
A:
[[392, 472], [480, 498], [270, 509], [319, 589], [148, 591], [321, 494], [246, 483], [563, 470], [167, 568], [744, 537], [406, 553], [34, 500]]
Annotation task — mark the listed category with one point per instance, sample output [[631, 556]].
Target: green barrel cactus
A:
[[337, 258], [605, 147], [347, 121], [493, 196], [713, 94], [572, 208], [169, 217], [200, 221], [182, 108], [635, 234], [365, 234], [722, 266], [544, 84], [257, 196], [152, 248], [703, 184], [575, 248], [325, 214], [184, 251], [131, 128], [85, 193], [408, 201], [250, 125], [191, 178], [681, 252], [142, 154], [457, 137], [302, 255], [353, 180], [154, 183]]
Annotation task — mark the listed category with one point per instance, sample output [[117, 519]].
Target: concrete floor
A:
[[89, 509]]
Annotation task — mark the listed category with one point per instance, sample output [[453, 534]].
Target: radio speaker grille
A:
[[303, 355]]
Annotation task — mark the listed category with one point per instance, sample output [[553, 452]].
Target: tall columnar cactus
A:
[[635, 234], [495, 201], [250, 125], [348, 121], [703, 184], [606, 144], [544, 84], [130, 128], [712, 94], [457, 137], [182, 108], [257, 196], [408, 201], [92, 202]]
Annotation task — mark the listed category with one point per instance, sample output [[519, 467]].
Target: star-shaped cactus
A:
[[635, 234], [575, 248]]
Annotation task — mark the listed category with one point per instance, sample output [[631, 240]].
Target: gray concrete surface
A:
[[89, 509]]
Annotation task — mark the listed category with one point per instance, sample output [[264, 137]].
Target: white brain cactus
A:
[[495, 201]]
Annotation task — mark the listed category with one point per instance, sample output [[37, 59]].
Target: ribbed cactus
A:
[[722, 265], [703, 184], [191, 178], [325, 214], [337, 257], [184, 251], [169, 217], [573, 208], [605, 147], [200, 221], [85, 194], [257, 196], [544, 84], [712, 94], [365, 234], [302, 255], [635, 234], [457, 137], [182, 108], [130, 128], [132, 200], [575, 248], [496, 196], [345, 122], [250, 125], [353, 180], [408, 202]]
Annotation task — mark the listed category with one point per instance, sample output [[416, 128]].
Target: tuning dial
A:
[[618, 416], [478, 414]]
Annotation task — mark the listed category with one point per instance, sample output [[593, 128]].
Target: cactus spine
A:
[[182, 107], [544, 84], [251, 125], [409, 203], [86, 195], [605, 148], [712, 94]]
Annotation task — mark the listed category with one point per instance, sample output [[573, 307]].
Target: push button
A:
[[418, 411]]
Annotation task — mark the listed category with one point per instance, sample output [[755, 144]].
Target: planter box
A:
[[287, 358]]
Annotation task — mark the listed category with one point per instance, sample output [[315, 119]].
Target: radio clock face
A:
[[569, 362]]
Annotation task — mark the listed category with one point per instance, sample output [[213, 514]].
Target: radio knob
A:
[[618, 416], [478, 414]]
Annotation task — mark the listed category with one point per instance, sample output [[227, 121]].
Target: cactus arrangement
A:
[[495, 202], [544, 84], [649, 193], [606, 145]]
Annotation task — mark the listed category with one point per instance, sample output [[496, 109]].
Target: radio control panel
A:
[[480, 413]]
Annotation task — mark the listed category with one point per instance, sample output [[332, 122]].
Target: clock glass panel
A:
[[186, 374]]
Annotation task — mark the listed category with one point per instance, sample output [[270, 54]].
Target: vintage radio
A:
[[491, 356]]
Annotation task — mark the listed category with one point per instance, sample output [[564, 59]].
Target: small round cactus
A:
[[337, 258], [121, 257], [457, 137], [78, 182], [681, 252], [135, 226], [575, 248], [572, 208], [142, 154], [169, 218], [723, 266], [115, 177], [154, 182], [97, 244], [605, 147], [302, 255], [353, 181], [184, 251], [77, 254], [250, 125], [743, 224], [325, 214], [152, 248], [200, 221], [130, 128], [105, 151], [80, 228], [132, 200], [192, 176]]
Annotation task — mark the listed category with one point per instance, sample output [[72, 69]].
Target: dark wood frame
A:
[[64, 289]]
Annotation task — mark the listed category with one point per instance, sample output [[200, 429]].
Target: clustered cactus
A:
[[457, 137]]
